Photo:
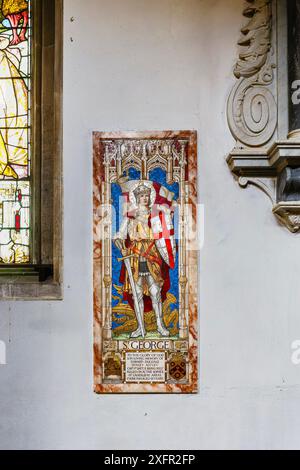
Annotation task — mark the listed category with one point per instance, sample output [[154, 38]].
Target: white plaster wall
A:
[[164, 64]]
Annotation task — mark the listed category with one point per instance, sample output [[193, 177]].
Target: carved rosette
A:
[[252, 109]]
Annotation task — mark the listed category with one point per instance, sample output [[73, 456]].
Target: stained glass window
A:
[[15, 125]]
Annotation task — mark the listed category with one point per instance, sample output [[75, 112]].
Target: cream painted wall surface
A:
[[164, 64]]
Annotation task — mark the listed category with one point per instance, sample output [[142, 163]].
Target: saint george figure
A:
[[149, 271]]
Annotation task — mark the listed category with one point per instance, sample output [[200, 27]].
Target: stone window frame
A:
[[42, 280]]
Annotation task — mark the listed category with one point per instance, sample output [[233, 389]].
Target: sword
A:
[[135, 298]]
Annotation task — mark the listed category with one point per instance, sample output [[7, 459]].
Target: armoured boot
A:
[[162, 330], [137, 333], [140, 332]]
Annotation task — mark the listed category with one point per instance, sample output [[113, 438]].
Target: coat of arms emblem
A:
[[177, 367]]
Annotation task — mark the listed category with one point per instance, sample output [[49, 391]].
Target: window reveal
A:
[[15, 175]]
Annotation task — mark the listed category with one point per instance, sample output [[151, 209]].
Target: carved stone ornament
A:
[[252, 107], [257, 116]]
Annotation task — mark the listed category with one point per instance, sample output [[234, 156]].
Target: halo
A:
[[132, 197]]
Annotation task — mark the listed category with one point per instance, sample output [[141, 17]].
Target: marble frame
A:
[[103, 342]]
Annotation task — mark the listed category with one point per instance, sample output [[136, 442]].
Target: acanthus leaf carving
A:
[[288, 214], [252, 109], [256, 39]]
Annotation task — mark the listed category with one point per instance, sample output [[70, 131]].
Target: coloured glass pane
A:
[[15, 178]]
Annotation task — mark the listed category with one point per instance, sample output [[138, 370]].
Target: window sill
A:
[[26, 289]]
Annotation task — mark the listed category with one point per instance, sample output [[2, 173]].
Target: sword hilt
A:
[[126, 257]]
